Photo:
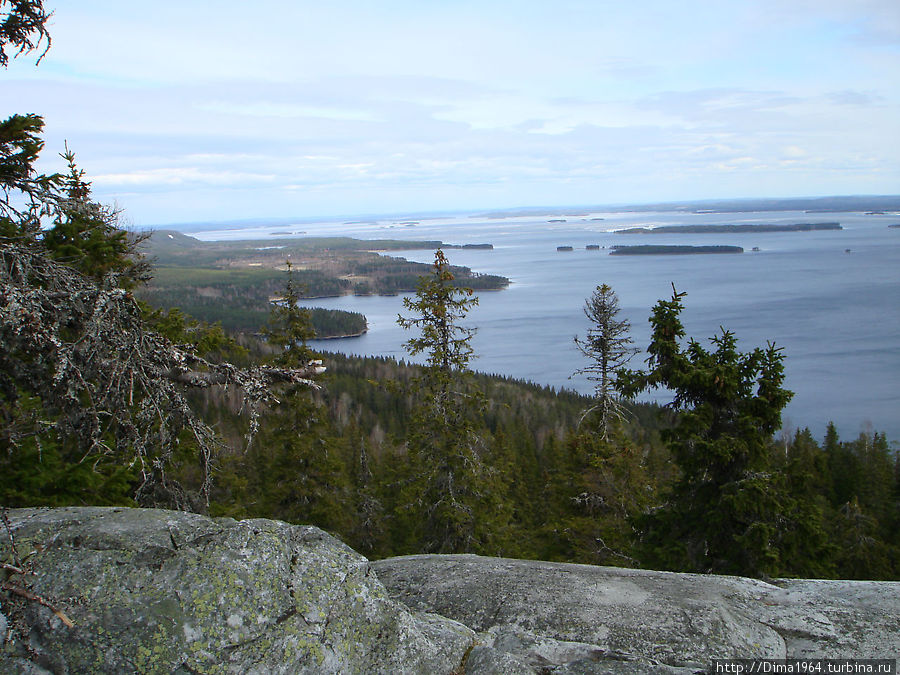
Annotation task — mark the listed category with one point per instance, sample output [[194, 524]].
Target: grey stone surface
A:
[[563, 618], [488, 661], [166, 592]]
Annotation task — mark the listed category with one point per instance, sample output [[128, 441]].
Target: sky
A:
[[184, 111]]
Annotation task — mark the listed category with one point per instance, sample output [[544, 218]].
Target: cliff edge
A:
[[154, 591]]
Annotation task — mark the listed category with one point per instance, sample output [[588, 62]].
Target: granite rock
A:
[[154, 591], [566, 618]]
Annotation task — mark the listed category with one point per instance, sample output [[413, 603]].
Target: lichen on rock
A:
[[565, 618], [154, 591]]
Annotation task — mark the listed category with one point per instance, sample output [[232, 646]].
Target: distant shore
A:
[[725, 229], [673, 250]]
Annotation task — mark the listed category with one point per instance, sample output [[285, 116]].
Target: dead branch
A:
[[34, 597], [103, 377]]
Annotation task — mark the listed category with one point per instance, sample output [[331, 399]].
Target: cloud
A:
[[287, 110], [179, 176], [859, 98], [397, 102]]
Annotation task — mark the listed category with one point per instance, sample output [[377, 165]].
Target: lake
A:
[[829, 298]]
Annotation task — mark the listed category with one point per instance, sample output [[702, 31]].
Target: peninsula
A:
[[233, 282]]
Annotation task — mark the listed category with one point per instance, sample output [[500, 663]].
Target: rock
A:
[[484, 660], [563, 618], [823, 618], [154, 591]]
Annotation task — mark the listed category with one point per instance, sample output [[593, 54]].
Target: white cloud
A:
[[286, 110], [180, 176], [293, 104]]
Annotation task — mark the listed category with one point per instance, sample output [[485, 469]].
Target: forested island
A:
[[729, 229], [652, 249], [233, 282]]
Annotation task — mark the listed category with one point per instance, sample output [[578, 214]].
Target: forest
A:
[[672, 249], [372, 450], [112, 394], [232, 283]]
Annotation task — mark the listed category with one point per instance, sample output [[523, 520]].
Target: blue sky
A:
[[227, 110]]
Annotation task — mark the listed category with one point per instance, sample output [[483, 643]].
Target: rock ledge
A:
[[565, 618], [155, 591]]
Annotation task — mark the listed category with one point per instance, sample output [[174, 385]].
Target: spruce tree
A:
[[609, 347], [83, 377], [724, 512], [451, 501], [23, 27], [86, 235], [296, 470], [805, 542]]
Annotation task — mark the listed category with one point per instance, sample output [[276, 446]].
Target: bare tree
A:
[[608, 345]]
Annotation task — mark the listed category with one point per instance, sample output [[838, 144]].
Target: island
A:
[[470, 247], [593, 247], [672, 250], [731, 229], [564, 248]]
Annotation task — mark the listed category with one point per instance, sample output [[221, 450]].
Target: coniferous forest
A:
[[108, 399]]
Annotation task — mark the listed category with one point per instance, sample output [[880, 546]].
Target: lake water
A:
[[835, 312]]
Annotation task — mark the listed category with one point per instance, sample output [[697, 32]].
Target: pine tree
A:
[[609, 347]]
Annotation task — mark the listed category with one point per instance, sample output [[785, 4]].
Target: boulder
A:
[[565, 618], [153, 591]]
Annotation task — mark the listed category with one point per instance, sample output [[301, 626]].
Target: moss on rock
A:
[[154, 591]]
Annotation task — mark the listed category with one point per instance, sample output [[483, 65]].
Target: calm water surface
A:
[[835, 313]]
